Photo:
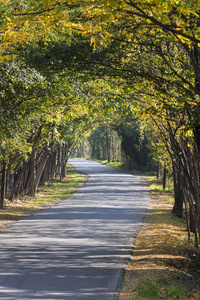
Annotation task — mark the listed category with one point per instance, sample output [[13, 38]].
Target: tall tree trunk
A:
[[32, 162], [108, 144], [3, 184], [178, 195], [157, 169], [64, 161], [59, 154], [40, 170], [12, 177], [164, 177], [32, 172], [17, 181], [53, 166]]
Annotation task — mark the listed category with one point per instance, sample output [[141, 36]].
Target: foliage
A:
[[82, 60], [105, 144], [135, 144], [52, 107]]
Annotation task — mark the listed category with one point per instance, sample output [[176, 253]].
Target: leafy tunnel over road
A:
[[77, 249]]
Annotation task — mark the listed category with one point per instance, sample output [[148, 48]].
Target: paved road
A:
[[77, 249]]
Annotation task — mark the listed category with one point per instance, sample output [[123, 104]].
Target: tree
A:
[[105, 144], [161, 56], [21, 91], [66, 107], [156, 62], [134, 143], [158, 59]]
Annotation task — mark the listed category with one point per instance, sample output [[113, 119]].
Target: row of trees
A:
[[37, 130], [78, 61], [124, 140], [157, 59], [42, 117], [47, 103], [105, 144], [166, 57]]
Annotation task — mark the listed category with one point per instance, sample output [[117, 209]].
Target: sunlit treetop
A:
[[180, 18], [24, 20]]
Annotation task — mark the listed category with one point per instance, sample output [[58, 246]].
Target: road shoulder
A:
[[163, 264]]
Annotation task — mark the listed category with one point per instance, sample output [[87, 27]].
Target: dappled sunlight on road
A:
[[79, 248]]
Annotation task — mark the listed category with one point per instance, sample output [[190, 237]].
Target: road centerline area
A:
[[79, 248]]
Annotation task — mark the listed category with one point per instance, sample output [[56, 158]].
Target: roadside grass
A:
[[164, 264], [116, 164], [47, 196], [152, 291], [158, 187]]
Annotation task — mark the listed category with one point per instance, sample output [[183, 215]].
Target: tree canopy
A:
[[67, 65]]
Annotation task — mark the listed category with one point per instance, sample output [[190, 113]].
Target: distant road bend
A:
[[79, 248]]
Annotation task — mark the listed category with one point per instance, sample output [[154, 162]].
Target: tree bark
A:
[[40, 170], [17, 181], [157, 169], [108, 144], [64, 161], [164, 177], [32, 172], [3, 184], [178, 195]]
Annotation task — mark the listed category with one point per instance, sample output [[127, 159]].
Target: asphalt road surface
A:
[[79, 248]]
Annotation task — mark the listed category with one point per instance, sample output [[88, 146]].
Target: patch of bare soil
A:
[[162, 256]]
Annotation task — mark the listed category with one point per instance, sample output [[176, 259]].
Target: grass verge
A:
[[116, 164], [47, 196], [164, 264]]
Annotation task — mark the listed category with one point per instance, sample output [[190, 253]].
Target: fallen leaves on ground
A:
[[161, 255]]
